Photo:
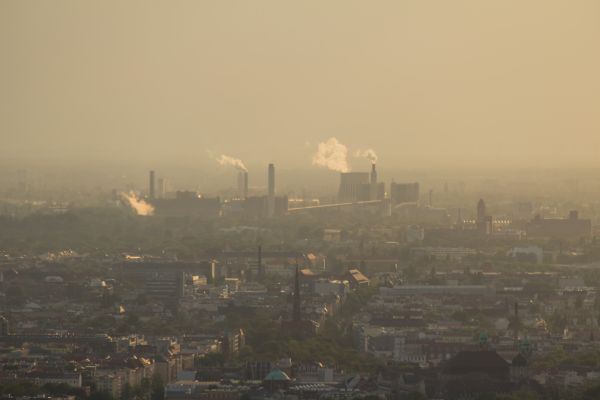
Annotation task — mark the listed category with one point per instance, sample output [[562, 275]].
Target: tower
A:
[[373, 188], [271, 192], [373, 174], [480, 211], [245, 185], [151, 191]]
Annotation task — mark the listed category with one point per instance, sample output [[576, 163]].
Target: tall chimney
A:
[[271, 192], [373, 174], [245, 184], [373, 187], [151, 186]]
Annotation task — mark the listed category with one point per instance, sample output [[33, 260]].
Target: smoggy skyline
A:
[[440, 84]]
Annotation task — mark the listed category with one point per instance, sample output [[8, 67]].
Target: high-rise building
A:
[[480, 211], [168, 286], [484, 222]]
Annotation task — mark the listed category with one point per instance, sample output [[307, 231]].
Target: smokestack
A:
[[271, 192], [373, 174], [245, 185], [373, 188], [151, 186]]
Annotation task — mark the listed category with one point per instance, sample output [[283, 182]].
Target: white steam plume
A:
[[234, 162], [138, 205], [332, 154], [369, 154]]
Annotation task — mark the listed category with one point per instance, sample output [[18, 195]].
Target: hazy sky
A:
[[442, 83]]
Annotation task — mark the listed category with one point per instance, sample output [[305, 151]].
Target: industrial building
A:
[[404, 192], [242, 184], [259, 206], [571, 228], [187, 204], [360, 186]]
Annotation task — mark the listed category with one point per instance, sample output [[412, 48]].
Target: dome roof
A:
[[277, 375]]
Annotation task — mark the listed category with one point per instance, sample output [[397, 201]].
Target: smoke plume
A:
[[369, 154], [138, 205], [234, 162], [332, 154]]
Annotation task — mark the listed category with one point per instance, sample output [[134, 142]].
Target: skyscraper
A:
[[480, 211]]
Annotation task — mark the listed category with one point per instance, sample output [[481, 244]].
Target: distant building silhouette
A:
[[404, 192], [360, 186], [571, 228]]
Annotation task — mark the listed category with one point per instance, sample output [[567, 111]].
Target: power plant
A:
[[360, 186], [356, 189]]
